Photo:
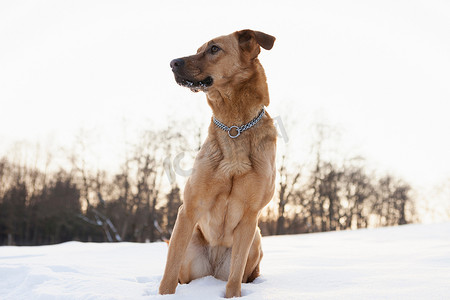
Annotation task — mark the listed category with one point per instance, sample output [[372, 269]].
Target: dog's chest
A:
[[219, 222], [236, 159]]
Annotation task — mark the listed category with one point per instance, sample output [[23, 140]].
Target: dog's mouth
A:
[[195, 85]]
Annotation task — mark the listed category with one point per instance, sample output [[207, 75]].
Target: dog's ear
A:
[[250, 41], [264, 40]]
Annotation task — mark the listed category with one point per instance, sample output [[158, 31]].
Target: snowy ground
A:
[[409, 262]]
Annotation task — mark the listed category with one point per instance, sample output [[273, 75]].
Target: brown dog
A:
[[216, 232]]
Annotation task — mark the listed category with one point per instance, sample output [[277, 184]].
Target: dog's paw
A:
[[166, 289], [233, 291]]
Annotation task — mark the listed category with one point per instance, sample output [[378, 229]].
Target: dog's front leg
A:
[[243, 236], [182, 233]]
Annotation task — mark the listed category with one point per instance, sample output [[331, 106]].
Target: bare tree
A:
[[285, 194]]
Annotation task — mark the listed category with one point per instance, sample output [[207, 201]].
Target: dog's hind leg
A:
[[196, 263]]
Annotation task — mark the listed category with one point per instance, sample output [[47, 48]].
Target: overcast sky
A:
[[376, 71]]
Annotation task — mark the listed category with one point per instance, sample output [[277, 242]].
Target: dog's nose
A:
[[176, 63]]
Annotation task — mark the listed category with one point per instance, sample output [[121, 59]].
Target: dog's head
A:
[[221, 61]]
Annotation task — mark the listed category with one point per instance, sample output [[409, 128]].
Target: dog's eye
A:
[[214, 49]]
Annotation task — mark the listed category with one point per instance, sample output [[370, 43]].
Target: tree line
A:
[[138, 203], [332, 197]]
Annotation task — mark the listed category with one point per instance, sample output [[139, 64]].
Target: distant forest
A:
[[137, 204]]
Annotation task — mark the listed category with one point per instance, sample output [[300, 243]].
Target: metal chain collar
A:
[[239, 129]]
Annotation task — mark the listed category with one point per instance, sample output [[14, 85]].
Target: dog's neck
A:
[[241, 102]]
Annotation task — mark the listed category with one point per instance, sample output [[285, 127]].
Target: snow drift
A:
[[407, 262]]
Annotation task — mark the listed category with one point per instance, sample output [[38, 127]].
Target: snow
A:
[[407, 262]]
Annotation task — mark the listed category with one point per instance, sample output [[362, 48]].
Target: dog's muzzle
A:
[[182, 79]]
